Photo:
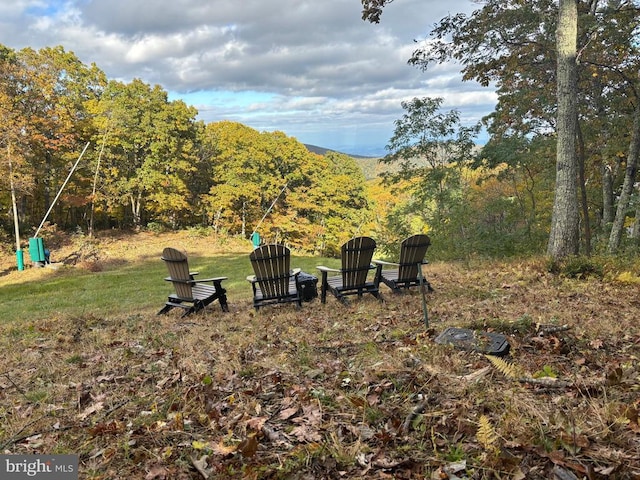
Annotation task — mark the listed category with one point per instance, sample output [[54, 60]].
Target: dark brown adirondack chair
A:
[[190, 295], [274, 281], [353, 279], [405, 273]]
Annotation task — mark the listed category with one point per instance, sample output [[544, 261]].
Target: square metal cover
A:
[[475, 340]]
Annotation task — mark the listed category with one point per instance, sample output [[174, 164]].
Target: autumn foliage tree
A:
[[513, 47], [13, 122], [148, 148], [269, 181], [152, 164], [428, 152], [48, 93]]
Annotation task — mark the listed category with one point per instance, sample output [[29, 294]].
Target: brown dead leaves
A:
[[330, 391]]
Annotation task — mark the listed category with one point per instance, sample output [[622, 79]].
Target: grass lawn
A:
[[325, 391], [120, 282]]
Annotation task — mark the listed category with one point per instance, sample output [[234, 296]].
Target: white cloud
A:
[[300, 66]]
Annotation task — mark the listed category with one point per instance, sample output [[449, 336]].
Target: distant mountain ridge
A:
[[323, 151], [370, 166]]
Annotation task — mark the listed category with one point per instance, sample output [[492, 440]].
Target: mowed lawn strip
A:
[[126, 288]]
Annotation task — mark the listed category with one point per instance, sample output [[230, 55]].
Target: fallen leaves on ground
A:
[[333, 391]]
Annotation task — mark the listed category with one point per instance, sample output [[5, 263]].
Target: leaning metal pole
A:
[[269, 209], [61, 188]]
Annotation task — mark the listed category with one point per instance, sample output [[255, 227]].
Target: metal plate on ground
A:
[[475, 340]]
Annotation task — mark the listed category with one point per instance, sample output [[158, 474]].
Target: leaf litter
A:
[[332, 391]]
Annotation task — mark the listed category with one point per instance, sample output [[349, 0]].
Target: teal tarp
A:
[[36, 250], [255, 239]]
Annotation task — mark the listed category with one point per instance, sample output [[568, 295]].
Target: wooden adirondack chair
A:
[[356, 257], [190, 295], [405, 273], [274, 281]]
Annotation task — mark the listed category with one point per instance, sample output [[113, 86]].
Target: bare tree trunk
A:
[[627, 187], [136, 203], [244, 220], [563, 239], [586, 223], [607, 198], [47, 181], [635, 231]]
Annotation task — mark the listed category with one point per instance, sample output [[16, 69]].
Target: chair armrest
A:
[[252, 278], [215, 279], [193, 274], [175, 280], [382, 262], [295, 272], [324, 269]]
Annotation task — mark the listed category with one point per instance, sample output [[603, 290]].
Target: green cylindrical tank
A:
[[20, 259]]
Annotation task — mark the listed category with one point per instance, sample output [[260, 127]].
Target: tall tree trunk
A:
[[627, 187], [635, 231], [136, 206], [586, 223], [244, 220], [47, 180], [563, 239], [607, 198]]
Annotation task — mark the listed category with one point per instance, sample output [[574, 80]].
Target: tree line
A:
[[151, 164], [537, 185]]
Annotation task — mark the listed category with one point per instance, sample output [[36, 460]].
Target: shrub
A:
[[577, 266], [156, 227]]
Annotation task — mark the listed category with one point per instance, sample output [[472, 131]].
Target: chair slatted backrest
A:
[[356, 261], [178, 267], [271, 267], [412, 252]]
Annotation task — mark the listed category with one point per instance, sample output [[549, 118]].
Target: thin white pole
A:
[[269, 209], [95, 182], [16, 224], [61, 188]]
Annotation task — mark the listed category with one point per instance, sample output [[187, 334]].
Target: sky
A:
[[312, 69]]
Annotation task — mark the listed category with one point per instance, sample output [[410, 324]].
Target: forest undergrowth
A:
[[341, 391]]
